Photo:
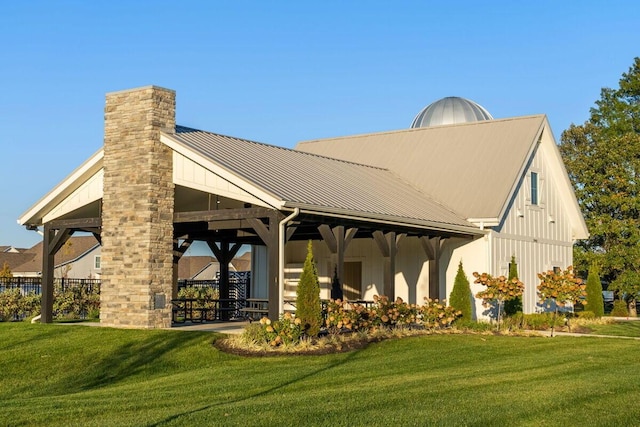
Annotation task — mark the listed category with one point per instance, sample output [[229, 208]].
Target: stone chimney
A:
[[137, 209]]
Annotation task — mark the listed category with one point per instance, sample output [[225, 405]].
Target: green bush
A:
[[595, 302], [460, 297], [16, 306], [541, 321], [513, 306], [587, 315], [620, 309], [308, 305], [287, 330]]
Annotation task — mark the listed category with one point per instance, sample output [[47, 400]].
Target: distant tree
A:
[[513, 306], [595, 301], [308, 306], [5, 272], [602, 157], [460, 297]]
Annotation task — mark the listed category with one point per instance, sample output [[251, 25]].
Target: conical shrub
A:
[[460, 297], [308, 305]]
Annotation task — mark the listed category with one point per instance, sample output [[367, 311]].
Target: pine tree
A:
[[595, 302], [513, 306], [308, 306], [460, 297]]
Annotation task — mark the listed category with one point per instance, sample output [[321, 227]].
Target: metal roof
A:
[[471, 167], [322, 184]]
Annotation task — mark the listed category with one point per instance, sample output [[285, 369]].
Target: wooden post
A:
[[47, 276], [432, 247], [388, 245]]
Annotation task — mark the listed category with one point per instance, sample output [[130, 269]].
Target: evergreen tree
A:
[[595, 302], [308, 306], [602, 157], [513, 306], [460, 297]]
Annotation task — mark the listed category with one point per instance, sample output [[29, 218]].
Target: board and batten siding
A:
[[539, 235], [412, 267]]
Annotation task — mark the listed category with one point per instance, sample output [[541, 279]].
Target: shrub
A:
[[436, 314], [343, 316], [308, 306], [10, 305], [587, 315], [542, 321], [499, 289], [460, 297], [620, 308], [595, 302], [514, 305], [286, 330]]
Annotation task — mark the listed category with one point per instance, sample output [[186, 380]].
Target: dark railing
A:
[[34, 284], [239, 284]]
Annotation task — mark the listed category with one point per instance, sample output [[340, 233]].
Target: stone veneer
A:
[[137, 209]]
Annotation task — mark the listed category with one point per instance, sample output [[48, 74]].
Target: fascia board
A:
[[383, 219], [34, 215]]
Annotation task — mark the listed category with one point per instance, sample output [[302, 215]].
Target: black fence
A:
[[239, 284], [34, 284]]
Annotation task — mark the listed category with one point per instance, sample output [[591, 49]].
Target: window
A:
[[534, 188], [96, 262]]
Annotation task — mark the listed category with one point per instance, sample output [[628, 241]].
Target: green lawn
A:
[[621, 329], [76, 375]]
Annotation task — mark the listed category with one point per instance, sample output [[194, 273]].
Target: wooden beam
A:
[[222, 214], [273, 249], [80, 223], [328, 237], [261, 229], [59, 239]]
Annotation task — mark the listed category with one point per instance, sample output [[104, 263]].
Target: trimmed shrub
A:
[[513, 306], [460, 297], [595, 302], [587, 315], [620, 308], [308, 306]]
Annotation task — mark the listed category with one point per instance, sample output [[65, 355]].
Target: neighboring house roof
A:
[[319, 183], [77, 247], [14, 259], [189, 266], [473, 168]]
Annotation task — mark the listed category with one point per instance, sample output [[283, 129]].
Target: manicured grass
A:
[[77, 375], [629, 328]]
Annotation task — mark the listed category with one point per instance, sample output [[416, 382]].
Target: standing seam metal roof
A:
[[303, 179]]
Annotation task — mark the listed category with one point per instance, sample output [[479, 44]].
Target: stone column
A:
[[137, 209]]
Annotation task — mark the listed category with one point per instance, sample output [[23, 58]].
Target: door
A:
[[352, 286]]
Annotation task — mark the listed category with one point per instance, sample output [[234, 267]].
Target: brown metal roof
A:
[[470, 168], [320, 183]]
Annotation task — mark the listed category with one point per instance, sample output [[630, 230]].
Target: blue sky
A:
[[280, 72]]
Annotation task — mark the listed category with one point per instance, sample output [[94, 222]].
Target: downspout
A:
[[281, 244]]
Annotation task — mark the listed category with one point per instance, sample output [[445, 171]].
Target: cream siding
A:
[[86, 193], [190, 174]]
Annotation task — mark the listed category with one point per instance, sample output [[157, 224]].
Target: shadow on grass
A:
[[333, 365]]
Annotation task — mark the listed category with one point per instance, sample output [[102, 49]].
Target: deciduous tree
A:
[[602, 157]]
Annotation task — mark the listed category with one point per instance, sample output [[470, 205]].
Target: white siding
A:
[[188, 173], [539, 236], [89, 191]]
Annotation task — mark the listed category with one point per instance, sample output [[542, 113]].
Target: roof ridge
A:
[[423, 129], [190, 129]]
